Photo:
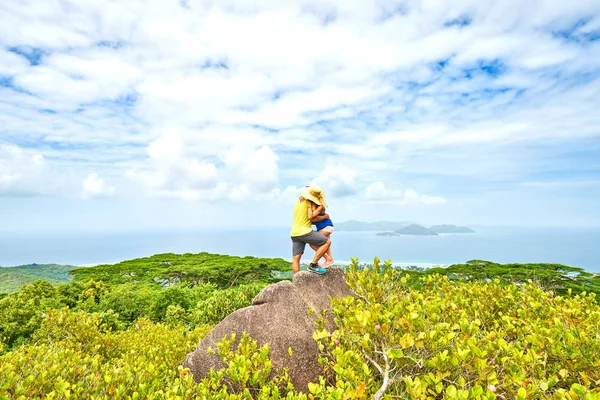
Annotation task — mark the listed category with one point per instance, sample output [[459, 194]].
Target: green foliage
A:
[[247, 374], [561, 279], [188, 269], [70, 294], [176, 315], [170, 296], [13, 278], [79, 356], [483, 331], [458, 340], [80, 331], [22, 313], [223, 302], [130, 301]]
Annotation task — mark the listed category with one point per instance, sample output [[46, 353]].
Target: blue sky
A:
[[201, 114]]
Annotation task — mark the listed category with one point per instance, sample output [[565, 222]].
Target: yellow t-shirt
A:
[[301, 225]]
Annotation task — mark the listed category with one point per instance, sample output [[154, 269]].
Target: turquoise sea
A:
[[575, 247]]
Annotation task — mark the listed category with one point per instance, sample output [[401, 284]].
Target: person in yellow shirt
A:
[[304, 216]]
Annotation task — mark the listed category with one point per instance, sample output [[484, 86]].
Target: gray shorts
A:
[[299, 242]]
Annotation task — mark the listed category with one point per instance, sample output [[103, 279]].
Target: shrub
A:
[[247, 374], [22, 312], [176, 315], [458, 340], [223, 302], [170, 296], [129, 301], [79, 356]]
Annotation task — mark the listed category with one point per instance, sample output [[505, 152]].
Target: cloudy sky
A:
[[171, 114]]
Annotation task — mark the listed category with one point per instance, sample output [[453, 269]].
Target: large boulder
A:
[[282, 315]]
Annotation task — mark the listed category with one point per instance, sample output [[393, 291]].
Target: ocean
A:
[[574, 247]]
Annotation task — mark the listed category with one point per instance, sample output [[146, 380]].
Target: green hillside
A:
[[13, 278]]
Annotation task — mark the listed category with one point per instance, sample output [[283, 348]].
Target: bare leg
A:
[[327, 234], [316, 248], [320, 251], [296, 263], [328, 255]]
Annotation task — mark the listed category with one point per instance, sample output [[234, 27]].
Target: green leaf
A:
[[578, 389], [395, 353], [313, 388], [322, 334], [451, 391]]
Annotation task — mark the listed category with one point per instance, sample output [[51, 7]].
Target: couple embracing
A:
[[309, 210]]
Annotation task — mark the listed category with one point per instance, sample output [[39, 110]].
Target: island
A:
[[412, 229], [450, 229], [420, 230], [395, 228]]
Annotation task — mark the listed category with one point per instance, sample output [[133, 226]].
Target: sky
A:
[[167, 115]]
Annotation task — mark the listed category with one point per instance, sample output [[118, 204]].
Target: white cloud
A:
[[252, 167], [173, 171], [95, 187], [23, 174], [167, 147], [10, 63], [342, 92], [287, 196], [170, 172], [378, 192], [337, 181]]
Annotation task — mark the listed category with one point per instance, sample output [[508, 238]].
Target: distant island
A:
[[419, 230], [451, 229], [390, 228]]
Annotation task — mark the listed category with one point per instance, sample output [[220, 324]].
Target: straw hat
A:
[[314, 194]]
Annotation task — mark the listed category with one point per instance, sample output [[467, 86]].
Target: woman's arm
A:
[[319, 218], [314, 215]]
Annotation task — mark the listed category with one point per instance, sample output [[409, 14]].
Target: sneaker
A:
[[316, 269], [327, 264]]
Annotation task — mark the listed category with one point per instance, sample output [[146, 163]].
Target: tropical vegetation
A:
[[478, 330]]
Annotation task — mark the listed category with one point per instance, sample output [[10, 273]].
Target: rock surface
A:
[[279, 315]]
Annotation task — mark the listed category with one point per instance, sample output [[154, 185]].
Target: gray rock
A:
[[282, 315]]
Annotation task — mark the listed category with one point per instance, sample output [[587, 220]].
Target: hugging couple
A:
[[309, 210]]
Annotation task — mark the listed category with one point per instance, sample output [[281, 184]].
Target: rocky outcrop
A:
[[282, 315]]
